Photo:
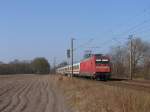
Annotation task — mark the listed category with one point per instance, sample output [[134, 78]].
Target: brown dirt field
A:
[[30, 93], [55, 93]]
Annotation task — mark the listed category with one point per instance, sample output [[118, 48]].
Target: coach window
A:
[[75, 67]]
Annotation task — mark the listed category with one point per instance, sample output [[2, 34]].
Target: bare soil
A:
[[30, 93], [55, 93]]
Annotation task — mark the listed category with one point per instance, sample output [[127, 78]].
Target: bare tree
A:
[[139, 49], [140, 58], [119, 55]]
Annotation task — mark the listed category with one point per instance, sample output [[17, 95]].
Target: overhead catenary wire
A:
[[116, 39], [127, 32], [122, 35], [142, 12], [135, 27], [84, 44]]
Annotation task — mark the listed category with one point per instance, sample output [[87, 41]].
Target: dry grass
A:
[[84, 96]]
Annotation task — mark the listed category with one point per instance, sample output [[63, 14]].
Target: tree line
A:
[[140, 59], [36, 66]]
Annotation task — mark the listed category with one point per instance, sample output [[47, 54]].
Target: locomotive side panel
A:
[[87, 67]]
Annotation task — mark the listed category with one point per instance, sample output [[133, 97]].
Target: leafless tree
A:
[[119, 55], [140, 58], [139, 49]]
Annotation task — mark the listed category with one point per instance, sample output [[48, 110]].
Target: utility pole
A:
[[54, 65], [68, 56], [131, 54], [72, 40]]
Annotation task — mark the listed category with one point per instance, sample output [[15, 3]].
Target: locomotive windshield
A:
[[102, 61]]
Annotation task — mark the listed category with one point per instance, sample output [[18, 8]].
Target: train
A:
[[97, 66]]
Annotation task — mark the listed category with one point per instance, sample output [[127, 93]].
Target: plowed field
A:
[[29, 93]]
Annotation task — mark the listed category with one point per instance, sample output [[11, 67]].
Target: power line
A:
[[144, 11], [115, 38], [133, 28], [136, 26], [129, 30], [143, 30], [102, 45], [85, 44], [142, 27]]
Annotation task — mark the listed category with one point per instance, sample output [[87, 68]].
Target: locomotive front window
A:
[[102, 61]]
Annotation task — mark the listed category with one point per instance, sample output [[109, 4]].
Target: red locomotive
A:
[[97, 66]]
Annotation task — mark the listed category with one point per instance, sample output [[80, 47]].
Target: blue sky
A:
[[43, 28]]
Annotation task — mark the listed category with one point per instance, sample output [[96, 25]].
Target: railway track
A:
[[131, 85], [139, 85]]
